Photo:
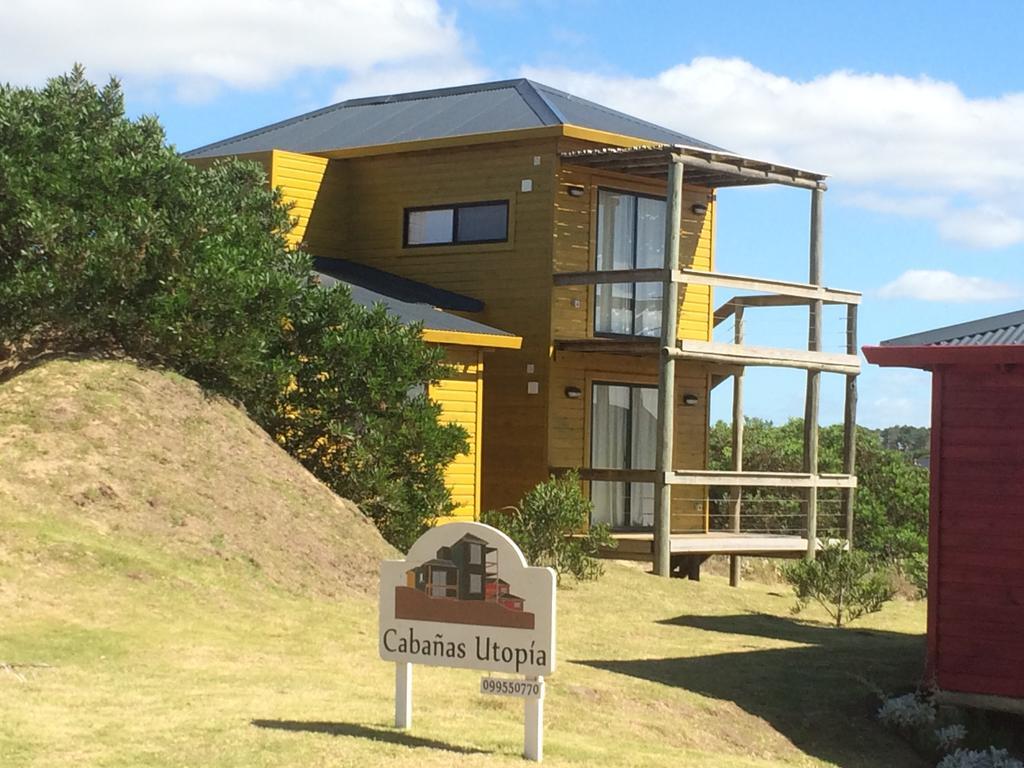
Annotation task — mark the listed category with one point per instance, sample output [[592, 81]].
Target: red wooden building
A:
[[976, 535]]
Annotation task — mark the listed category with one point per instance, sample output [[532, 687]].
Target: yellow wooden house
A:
[[560, 226]]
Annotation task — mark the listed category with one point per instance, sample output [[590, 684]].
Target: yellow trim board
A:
[[486, 340], [470, 139], [445, 142], [606, 137]]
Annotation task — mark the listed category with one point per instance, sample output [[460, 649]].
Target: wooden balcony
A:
[[714, 170]]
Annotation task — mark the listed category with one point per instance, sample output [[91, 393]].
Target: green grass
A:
[[224, 670], [152, 618]]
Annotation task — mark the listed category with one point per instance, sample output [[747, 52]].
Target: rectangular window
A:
[[630, 235], [476, 584], [623, 435], [475, 554], [461, 223], [438, 583]]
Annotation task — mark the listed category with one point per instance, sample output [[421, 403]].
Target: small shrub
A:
[[548, 525], [845, 583], [950, 737], [915, 568], [907, 712], [988, 758]]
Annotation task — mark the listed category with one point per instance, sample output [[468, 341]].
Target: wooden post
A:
[[533, 724], [813, 377], [850, 423], [735, 561], [403, 695], [667, 372]]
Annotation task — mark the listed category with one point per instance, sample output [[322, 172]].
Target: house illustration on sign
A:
[[461, 585]]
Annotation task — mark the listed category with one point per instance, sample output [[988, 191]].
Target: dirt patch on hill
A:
[[146, 456]]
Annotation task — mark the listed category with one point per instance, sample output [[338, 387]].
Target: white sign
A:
[[465, 597], [503, 686]]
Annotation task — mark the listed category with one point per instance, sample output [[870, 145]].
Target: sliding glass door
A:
[[630, 235], [623, 435]]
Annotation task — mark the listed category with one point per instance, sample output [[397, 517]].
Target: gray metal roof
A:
[[432, 318], [498, 106], [989, 331], [401, 288]]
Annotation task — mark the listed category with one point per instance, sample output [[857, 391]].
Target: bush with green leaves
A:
[[552, 527], [845, 583], [890, 505], [980, 758], [111, 242]]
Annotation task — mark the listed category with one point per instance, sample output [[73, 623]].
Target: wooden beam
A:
[[638, 347], [850, 423], [739, 167], [729, 308], [601, 277], [718, 352], [813, 393], [738, 425], [767, 285], [758, 479], [667, 374], [714, 280], [610, 475]]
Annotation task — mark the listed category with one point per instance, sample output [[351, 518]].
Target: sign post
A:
[[466, 597], [533, 728], [403, 695]]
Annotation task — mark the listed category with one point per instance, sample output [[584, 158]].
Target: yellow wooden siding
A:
[[359, 216], [569, 431], [459, 396], [575, 245], [300, 178]]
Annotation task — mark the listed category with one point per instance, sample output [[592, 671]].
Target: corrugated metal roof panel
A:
[[588, 114], [408, 313], [988, 331], [483, 108]]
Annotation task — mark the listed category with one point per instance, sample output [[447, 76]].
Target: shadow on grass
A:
[[818, 695], [364, 732]]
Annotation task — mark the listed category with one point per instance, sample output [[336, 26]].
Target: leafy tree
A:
[[110, 241], [843, 582], [549, 524], [913, 442], [891, 502]]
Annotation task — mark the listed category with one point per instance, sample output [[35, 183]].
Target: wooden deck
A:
[[640, 545]]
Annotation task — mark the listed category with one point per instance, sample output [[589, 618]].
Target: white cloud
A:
[[895, 396], [201, 45], [939, 285], [435, 72], [904, 136]]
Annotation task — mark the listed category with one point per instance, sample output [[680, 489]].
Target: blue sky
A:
[[915, 109]]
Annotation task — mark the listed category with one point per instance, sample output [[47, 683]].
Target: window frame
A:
[[630, 385], [636, 220], [455, 208]]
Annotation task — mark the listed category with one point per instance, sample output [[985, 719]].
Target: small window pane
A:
[[430, 227], [483, 222], [616, 212]]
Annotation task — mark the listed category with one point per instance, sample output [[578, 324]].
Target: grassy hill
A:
[[174, 590]]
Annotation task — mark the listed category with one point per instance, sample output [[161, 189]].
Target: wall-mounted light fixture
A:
[[699, 209], [573, 393], [575, 190], [690, 399]]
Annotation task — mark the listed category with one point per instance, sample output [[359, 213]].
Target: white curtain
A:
[[609, 429], [624, 426], [650, 253], [643, 445], [616, 214]]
